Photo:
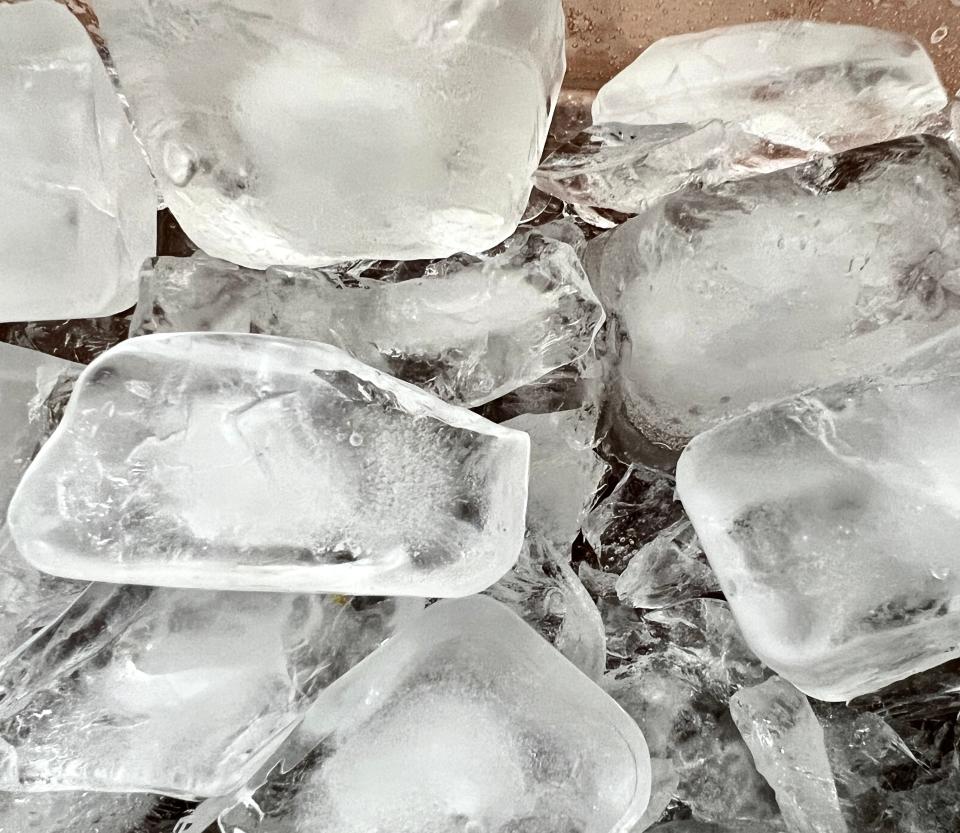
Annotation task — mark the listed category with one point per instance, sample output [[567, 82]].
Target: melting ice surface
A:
[[465, 720], [306, 133], [77, 202], [254, 462]]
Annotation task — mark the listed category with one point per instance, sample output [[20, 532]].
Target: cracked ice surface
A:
[[733, 102], [831, 522], [261, 463], [281, 137], [752, 291], [467, 332], [138, 689], [466, 720], [77, 202]]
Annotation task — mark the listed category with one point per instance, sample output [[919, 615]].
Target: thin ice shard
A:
[[469, 330], [138, 689], [260, 463], [77, 202], [734, 102], [787, 743], [466, 720], [831, 522], [307, 133], [755, 290], [543, 589]]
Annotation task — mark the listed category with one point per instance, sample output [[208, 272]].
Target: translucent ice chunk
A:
[[77, 202], [467, 333], [260, 463], [831, 522], [756, 290], [543, 589], [82, 812], [787, 743], [564, 471], [749, 99], [465, 720], [173, 691], [306, 133]]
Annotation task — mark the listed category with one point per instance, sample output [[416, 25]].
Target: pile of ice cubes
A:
[[439, 485]]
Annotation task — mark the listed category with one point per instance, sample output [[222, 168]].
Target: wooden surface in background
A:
[[603, 36]]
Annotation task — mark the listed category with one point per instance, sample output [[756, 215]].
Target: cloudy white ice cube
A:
[[77, 201], [260, 463], [305, 133]]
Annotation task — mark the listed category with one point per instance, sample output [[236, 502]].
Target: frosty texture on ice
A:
[[139, 689], [831, 522], [787, 743], [310, 132], [465, 720], [732, 102], [259, 463], [77, 202], [467, 333], [756, 290]]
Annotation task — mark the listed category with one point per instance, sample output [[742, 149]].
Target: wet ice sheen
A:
[[77, 202], [830, 520], [751, 291], [467, 332], [254, 462], [464, 721], [306, 133]]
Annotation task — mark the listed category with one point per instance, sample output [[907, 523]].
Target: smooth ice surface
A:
[[787, 743], [465, 720], [467, 332], [543, 589], [831, 523], [755, 290], [77, 202], [565, 471], [736, 101], [173, 691], [260, 463], [77, 812], [305, 133]]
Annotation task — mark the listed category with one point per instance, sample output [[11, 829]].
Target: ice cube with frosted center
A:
[[77, 201], [831, 522], [255, 462], [304, 133]]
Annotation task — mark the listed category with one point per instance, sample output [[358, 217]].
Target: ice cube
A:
[[787, 743], [261, 463], [139, 689], [831, 522], [565, 471], [304, 133], [465, 721], [77, 202], [752, 291], [741, 100], [543, 589], [82, 812], [468, 333]]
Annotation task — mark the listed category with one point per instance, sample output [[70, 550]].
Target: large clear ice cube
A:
[[304, 132], [755, 290], [77, 201], [261, 463], [468, 332], [831, 521], [465, 721], [139, 689]]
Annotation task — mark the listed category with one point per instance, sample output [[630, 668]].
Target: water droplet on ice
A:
[[356, 439]]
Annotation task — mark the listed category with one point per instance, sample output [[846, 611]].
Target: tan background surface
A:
[[603, 36]]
